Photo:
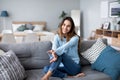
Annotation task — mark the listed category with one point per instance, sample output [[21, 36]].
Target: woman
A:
[[64, 58]]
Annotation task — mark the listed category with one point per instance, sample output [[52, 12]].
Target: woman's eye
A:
[[63, 24], [68, 26]]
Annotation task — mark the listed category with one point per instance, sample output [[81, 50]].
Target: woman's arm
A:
[[51, 53], [73, 41], [55, 43]]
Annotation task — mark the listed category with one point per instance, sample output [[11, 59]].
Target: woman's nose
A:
[[65, 27]]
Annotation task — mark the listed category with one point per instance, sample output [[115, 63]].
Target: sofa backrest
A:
[[31, 55], [34, 55], [84, 46]]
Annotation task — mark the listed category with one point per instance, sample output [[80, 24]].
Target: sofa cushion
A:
[[10, 67], [93, 52], [108, 62], [31, 55], [37, 74], [91, 75]]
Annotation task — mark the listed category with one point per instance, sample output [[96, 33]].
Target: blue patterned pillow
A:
[[108, 62]]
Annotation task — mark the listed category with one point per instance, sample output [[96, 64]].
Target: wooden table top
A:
[[22, 34]]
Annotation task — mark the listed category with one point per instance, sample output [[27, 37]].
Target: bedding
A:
[[34, 26]]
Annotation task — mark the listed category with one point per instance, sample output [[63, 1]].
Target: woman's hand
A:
[[54, 56], [50, 51]]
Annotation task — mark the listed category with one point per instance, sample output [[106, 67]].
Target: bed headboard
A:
[[38, 25]]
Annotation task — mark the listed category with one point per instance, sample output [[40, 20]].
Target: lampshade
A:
[[4, 14]]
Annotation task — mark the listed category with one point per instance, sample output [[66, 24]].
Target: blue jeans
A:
[[69, 68]]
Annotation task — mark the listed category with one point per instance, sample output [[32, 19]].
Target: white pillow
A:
[[93, 52], [10, 67], [38, 28], [1, 52]]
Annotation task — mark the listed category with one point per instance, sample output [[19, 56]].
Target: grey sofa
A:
[[33, 57]]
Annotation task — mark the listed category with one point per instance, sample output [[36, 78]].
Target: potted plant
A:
[[63, 14]]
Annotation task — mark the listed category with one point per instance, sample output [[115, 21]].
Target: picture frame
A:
[[106, 25], [114, 9]]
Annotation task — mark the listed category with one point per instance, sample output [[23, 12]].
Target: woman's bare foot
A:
[[44, 78], [79, 75]]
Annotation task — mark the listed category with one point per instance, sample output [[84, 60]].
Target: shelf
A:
[[113, 37], [108, 33], [115, 34], [99, 31]]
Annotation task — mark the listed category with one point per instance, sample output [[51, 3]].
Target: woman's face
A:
[[66, 27]]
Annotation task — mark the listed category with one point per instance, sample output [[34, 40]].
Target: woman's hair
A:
[[71, 32]]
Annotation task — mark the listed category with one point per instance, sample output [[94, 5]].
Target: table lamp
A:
[[4, 14]]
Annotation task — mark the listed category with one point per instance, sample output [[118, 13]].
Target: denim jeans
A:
[[69, 68]]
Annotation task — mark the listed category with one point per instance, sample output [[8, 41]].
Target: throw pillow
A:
[[1, 52], [108, 62], [29, 26], [10, 67], [93, 52], [22, 28], [15, 26], [38, 28]]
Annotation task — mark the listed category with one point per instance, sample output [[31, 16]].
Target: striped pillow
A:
[[93, 52], [10, 67]]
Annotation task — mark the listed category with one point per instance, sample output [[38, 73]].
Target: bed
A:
[[21, 26]]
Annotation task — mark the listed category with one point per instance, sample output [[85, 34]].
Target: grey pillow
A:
[[29, 26], [10, 67], [31, 55]]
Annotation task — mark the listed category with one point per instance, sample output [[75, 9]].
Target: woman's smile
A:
[[66, 27]]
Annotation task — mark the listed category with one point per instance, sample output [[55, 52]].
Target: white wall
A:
[[37, 10], [91, 17]]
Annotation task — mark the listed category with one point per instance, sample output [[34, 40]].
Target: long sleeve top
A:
[[63, 47]]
